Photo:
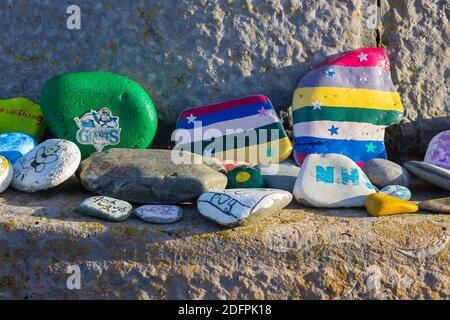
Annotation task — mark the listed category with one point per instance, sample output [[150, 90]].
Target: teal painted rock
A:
[[106, 208], [245, 177], [99, 110], [429, 172], [397, 191], [160, 214], [14, 145]]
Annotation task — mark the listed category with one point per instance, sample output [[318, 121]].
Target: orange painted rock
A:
[[379, 204]]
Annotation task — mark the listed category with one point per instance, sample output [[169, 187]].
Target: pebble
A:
[[245, 177], [106, 208], [331, 181], [149, 176], [383, 173], [397, 191], [159, 213], [22, 115], [438, 151], [47, 165], [244, 130], [344, 104], [429, 172], [235, 207], [99, 110], [14, 145], [280, 176], [379, 204], [6, 174], [441, 205]]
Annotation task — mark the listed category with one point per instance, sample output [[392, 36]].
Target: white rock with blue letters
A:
[[331, 181]]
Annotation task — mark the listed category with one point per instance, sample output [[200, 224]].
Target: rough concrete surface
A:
[[299, 253]]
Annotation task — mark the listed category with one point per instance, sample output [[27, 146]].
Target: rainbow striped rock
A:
[[343, 106], [243, 130]]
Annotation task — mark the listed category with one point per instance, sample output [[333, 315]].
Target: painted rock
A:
[[436, 205], [382, 173], [379, 204], [280, 176], [429, 172], [438, 151], [49, 164], [6, 174], [159, 213], [14, 145], [343, 106], [106, 208], [149, 176], [22, 115], [331, 181], [246, 129], [234, 207], [397, 191], [99, 110], [245, 177]]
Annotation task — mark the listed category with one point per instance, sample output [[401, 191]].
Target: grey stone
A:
[[237, 207], [159, 213], [279, 176], [297, 253], [106, 208], [416, 36], [148, 176], [441, 205], [383, 173], [185, 53], [429, 172]]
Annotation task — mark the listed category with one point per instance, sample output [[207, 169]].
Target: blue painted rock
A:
[[159, 213], [438, 151], [14, 145], [429, 172], [98, 111], [22, 115], [331, 181], [343, 106], [6, 174], [234, 207], [106, 208], [243, 130], [280, 175], [441, 205], [382, 173], [397, 191], [49, 164]]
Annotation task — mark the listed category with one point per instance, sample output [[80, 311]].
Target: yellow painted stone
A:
[[242, 177], [379, 204], [22, 115], [4, 165]]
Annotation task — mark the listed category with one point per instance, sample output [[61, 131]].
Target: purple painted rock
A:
[[438, 151]]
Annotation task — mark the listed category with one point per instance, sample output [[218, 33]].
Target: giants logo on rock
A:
[[98, 128]]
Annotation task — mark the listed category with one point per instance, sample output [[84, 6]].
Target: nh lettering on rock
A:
[[347, 177]]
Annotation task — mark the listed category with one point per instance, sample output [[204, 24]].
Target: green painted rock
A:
[[22, 115], [99, 110], [244, 177]]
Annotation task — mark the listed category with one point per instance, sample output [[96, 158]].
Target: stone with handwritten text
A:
[[235, 207], [106, 208], [160, 214]]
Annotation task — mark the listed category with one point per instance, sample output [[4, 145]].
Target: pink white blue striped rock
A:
[[234, 207], [331, 181], [49, 164], [397, 191], [159, 213], [6, 173], [438, 151]]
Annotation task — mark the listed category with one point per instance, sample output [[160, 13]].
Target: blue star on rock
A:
[[330, 73], [333, 130]]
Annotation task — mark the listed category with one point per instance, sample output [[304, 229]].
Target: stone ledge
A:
[[299, 253]]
